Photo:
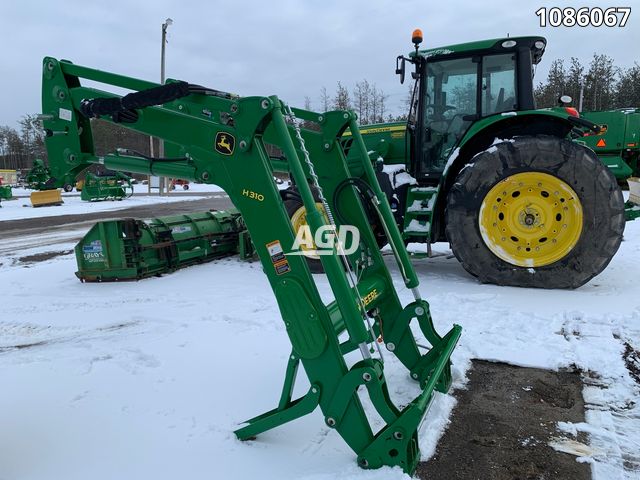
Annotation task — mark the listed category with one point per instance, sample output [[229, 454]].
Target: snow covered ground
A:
[[149, 379], [137, 188], [21, 207]]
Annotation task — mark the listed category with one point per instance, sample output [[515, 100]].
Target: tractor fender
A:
[[480, 136]]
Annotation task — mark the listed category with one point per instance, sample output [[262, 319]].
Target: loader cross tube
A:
[[222, 140]]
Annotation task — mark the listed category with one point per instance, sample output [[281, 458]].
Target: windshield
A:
[[498, 84], [450, 105], [458, 92]]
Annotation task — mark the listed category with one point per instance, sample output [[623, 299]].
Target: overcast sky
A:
[[284, 47]]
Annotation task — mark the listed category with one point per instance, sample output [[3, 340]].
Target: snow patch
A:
[[416, 227]]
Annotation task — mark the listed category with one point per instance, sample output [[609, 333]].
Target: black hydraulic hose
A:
[[132, 101], [584, 123], [291, 194], [365, 192], [146, 98]]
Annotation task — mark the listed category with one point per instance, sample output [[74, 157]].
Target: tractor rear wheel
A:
[[535, 212]]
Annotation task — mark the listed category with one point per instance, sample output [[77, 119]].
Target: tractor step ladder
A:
[[418, 217], [419, 212], [215, 137]]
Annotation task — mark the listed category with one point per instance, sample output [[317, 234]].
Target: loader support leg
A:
[[276, 417]]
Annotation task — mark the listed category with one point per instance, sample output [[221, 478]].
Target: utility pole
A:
[[161, 180], [581, 99], [165, 25]]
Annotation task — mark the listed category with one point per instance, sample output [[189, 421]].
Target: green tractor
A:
[[478, 166]]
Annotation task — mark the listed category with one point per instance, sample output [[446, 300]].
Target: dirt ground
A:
[[502, 424]]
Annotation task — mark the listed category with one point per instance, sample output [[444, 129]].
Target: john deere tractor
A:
[[478, 166]]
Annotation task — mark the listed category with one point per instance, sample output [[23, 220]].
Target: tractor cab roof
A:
[[497, 45]]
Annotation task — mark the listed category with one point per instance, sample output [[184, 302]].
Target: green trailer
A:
[[617, 143], [129, 249]]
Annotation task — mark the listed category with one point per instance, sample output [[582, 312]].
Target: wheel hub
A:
[[531, 219]]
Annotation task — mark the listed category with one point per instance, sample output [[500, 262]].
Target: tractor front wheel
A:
[[535, 212]]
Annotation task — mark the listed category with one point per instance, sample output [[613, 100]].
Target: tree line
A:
[[604, 86], [20, 147], [365, 98]]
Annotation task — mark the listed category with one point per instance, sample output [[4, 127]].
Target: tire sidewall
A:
[[578, 167]]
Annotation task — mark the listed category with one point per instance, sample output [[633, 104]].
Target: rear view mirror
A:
[[400, 68]]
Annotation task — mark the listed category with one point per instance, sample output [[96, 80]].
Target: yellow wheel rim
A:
[[531, 219], [299, 219]]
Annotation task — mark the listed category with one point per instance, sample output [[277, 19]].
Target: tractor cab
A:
[[459, 85]]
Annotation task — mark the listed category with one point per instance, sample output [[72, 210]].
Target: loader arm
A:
[[218, 138]]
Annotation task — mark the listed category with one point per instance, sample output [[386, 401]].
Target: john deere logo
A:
[[225, 143]]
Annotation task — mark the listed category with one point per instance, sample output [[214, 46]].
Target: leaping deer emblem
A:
[[224, 144]]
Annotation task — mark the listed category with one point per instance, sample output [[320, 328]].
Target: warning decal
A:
[[280, 262]]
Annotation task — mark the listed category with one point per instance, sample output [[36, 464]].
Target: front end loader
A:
[[215, 137]]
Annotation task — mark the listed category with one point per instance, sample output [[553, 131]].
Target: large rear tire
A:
[[535, 212]]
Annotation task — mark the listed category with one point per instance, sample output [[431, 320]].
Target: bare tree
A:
[[325, 103], [341, 101]]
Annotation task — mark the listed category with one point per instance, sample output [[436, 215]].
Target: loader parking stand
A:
[[449, 290]]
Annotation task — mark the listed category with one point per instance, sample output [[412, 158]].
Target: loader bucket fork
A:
[[216, 137]]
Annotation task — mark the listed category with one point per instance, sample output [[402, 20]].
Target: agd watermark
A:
[[328, 239]]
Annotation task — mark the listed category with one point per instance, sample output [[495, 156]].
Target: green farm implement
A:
[[115, 186], [130, 249], [47, 189], [5, 192], [617, 143], [39, 177], [632, 207], [215, 137]]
